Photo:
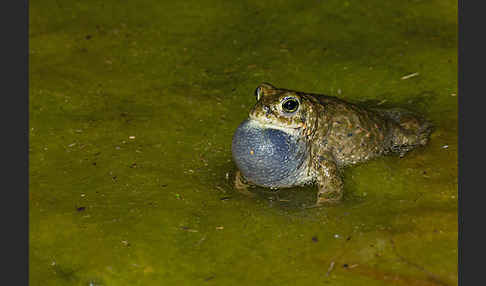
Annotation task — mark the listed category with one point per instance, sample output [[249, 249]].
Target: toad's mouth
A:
[[272, 123]]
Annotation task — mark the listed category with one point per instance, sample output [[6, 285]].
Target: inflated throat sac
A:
[[267, 157]]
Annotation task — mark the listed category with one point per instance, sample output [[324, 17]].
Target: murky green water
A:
[[132, 108]]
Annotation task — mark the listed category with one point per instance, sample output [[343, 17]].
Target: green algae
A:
[[132, 109]]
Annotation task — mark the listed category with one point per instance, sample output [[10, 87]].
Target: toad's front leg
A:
[[329, 180]]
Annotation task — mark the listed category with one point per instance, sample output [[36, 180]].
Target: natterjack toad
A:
[[294, 138]]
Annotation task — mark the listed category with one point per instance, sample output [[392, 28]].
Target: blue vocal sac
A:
[[268, 157]]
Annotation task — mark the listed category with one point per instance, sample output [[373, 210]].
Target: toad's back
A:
[[354, 134]]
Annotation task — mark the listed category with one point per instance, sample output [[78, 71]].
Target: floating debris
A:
[[409, 76], [381, 102], [331, 267]]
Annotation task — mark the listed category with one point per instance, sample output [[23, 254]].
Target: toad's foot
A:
[[327, 198], [324, 201], [241, 184]]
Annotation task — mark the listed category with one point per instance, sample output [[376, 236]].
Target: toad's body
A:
[[293, 138]]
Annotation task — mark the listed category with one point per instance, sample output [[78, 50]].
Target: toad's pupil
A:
[[290, 105]]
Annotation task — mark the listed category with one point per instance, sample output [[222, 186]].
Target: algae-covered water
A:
[[133, 105]]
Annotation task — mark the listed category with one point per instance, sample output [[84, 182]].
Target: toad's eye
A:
[[258, 93], [290, 105]]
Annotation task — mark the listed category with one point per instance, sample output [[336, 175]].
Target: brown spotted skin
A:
[[338, 133]]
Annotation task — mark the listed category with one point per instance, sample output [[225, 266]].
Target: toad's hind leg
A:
[[412, 130], [329, 180]]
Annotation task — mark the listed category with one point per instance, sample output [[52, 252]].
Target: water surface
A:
[[132, 110]]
